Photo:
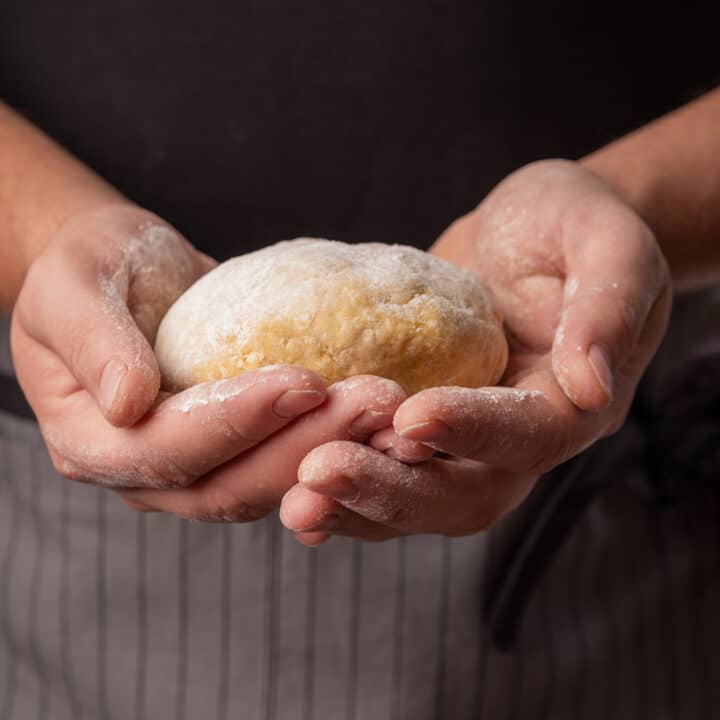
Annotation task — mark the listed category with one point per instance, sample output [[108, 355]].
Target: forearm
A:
[[669, 171], [40, 186]]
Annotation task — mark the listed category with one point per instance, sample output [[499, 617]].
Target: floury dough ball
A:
[[340, 310]]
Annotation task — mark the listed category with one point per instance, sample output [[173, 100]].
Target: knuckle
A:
[[245, 513], [395, 514], [615, 424], [32, 296], [223, 506], [555, 450], [235, 428], [166, 473], [79, 343], [627, 322], [34, 281], [67, 468]]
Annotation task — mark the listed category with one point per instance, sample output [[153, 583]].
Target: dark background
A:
[[244, 123]]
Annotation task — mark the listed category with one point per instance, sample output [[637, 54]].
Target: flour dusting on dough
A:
[[338, 309]]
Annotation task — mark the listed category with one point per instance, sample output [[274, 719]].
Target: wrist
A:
[[41, 185], [34, 237], [668, 172], [28, 238], [629, 179]]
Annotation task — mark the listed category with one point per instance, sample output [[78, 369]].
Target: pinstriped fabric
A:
[[272, 601], [442, 630], [498, 667], [8, 543], [308, 706], [182, 624], [142, 618], [484, 649], [425, 567], [279, 618], [226, 608], [378, 653], [458, 626], [7, 567], [399, 629], [353, 630], [37, 575], [101, 655], [105, 613], [66, 660]]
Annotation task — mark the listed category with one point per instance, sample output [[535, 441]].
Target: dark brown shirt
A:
[[247, 122]]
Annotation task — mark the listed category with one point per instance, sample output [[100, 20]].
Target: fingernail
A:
[[110, 381], [600, 363], [315, 542], [331, 521], [340, 487], [369, 422], [426, 431], [296, 402]]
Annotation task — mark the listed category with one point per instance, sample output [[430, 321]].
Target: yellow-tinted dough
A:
[[340, 310]]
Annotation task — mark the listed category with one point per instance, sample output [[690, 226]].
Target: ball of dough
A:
[[340, 310]]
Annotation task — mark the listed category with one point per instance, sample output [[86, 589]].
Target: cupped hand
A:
[[251, 484], [82, 334], [89, 309], [585, 294], [82, 338]]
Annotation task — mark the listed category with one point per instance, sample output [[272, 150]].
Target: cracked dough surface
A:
[[338, 309]]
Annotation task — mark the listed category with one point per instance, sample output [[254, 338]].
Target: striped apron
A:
[[108, 613]]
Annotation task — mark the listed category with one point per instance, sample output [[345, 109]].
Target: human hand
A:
[[585, 294], [81, 338], [82, 333], [252, 483]]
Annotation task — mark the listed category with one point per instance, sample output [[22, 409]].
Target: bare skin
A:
[[575, 243], [585, 294], [97, 275]]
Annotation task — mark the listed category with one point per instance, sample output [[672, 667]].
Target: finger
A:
[[255, 482], [510, 428], [438, 496], [307, 513], [400, 448], [609, 291], [184, 437], [137, 506], [89, 326], [312, 539]]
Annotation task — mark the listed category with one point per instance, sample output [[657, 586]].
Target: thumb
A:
[[89, 326], [611, 289]]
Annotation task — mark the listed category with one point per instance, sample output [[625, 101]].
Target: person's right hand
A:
[[81, 338]]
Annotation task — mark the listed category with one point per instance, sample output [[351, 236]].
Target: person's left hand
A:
[[585, 294]]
